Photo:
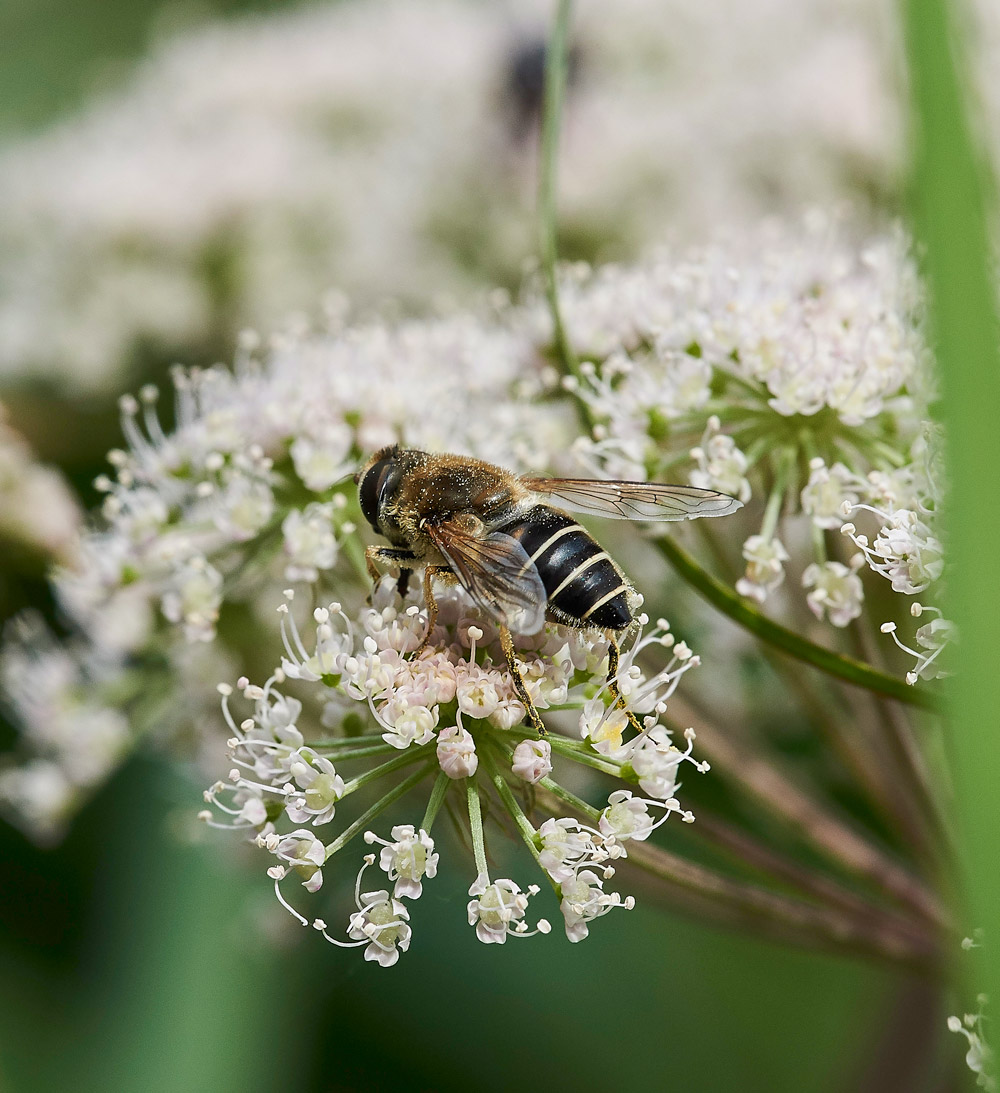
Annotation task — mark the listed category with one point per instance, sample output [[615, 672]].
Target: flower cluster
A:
[[241, 174], [979, 1058], [251, 491], [384, 709], [791, 368], [38, 513], [788, 371]]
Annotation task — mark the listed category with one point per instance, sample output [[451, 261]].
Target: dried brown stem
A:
[[819, 828], [711, 896]]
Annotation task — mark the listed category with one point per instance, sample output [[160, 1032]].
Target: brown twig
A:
[[818, 827], [712, 896]]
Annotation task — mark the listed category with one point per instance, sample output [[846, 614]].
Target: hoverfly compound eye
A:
[[380, 478]]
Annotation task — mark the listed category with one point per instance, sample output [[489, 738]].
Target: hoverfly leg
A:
[[507, 645], [432, 607], [403, 585], [613, 662], [390, 556]]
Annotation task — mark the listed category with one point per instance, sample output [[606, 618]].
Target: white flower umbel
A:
[[371, 716], [807, 382]]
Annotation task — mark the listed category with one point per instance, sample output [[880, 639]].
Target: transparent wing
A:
[[635, 500], [497, 573]]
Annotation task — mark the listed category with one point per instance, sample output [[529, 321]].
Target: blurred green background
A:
[[134, 957]]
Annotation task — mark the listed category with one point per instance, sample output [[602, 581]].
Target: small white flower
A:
[[407, 859], [836, 591], [584, 899], [825, 494], [603, 727], [498, 909], [193, 598], [383, 923], [532, 760], [244, 507], [409, 724], [721, 464], [478, 692], [765, 567], [456, 752], [626, 817], [322, 788], [565, 846], [304, 853], [309, 542], [322, 461], [655, 761]]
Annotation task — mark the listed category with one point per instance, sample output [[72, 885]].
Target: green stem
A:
[[955, 204], [835, 664], [358, 753], [436, 801], [577, 750], [775, 501], [571, 799], [506, 795], [555, 86], [476, 828], [410, 755], [380, 806]]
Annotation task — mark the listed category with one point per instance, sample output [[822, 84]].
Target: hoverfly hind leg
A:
[[507, 644], [613, 662]]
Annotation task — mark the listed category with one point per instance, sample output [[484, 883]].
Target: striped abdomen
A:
[[581, 580]]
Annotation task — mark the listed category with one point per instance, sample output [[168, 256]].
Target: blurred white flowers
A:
[[38, 512], [384, 149]]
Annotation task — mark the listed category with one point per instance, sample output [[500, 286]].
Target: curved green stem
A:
[[835, 664], [380, 806], [524, 825]]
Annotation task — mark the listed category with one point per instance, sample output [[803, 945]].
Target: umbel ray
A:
[[508, 542]]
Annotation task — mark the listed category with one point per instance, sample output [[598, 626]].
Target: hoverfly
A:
[[507, 541]]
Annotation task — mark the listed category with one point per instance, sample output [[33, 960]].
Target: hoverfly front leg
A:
[[613, 662], [507, 645], [387, 556], [390, 556]]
